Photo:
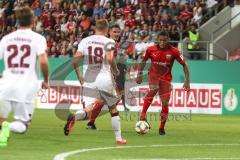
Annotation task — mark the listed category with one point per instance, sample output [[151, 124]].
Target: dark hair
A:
[[194, 24], [163, 33], [114, 26], [24, 16]]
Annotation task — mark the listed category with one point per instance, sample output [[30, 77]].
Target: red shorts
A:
[[163, 85]]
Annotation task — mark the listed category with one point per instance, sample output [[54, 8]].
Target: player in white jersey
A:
[[20, 51], [97, 81]]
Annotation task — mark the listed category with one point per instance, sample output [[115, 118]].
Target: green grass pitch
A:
[[201, 137]]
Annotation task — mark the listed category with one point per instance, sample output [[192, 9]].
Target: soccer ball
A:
[[142, 127]]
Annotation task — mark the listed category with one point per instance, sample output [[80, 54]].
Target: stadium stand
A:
[[65, 22]]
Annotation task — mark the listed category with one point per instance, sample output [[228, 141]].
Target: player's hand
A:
[[45, 85], [139, 79], [186, 86]]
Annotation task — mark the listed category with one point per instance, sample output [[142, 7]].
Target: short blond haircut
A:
[[101, 25]]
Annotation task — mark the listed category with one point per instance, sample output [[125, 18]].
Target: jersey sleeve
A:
[[41, 45], [111, 45], [179, 56], [147, 54], [81, 46]]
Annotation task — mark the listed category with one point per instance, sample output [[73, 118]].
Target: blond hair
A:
[[101, 25]]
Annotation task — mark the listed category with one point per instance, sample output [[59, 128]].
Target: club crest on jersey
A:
[[168, 57]]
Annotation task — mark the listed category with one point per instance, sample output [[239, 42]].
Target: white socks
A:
[[80, 115], [116, 126], [17, 127]]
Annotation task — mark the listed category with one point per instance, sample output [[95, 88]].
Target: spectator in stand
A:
[[48, 21], [128, 9], [113, 21], [85, 21], [197, 13], [37, 9], [117, 10], [98, 10], [186, 13], [193, 46], [162, 11], [154, 32], [172, 10], [71, 24], [210, 6], [130, 21], [108, 11], [66, 22]]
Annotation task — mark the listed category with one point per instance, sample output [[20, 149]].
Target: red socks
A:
[[147, 102], [164, 116], [96, 110]]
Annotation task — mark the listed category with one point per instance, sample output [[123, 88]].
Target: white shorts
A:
[[103, 89], [21, 111]]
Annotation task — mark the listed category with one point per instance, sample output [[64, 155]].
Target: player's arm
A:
[[43, 60], [186, 84], [142, 66], [1, 54], [1, 49], [111, 59], [76, 59], [181, 60]]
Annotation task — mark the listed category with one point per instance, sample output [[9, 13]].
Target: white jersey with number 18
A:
[[94, 49], [19, 50]]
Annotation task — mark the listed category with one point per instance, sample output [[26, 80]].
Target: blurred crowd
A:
[[65, 22]]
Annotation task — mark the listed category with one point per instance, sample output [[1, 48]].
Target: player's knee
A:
[[165, 103], [1, 121], [99, 103], [114, 112], [165, 99], [18, 127]]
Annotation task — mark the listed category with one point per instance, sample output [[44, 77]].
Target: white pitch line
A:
[[62, 156]]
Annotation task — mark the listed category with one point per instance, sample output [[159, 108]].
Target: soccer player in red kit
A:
[[162, 56]]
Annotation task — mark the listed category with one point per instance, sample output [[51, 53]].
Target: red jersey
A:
[[162, 61]]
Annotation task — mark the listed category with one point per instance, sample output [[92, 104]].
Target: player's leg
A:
[[97, 107], [5, 109], [89, 95], [164, 94], [153, 89], [123, 102], [116, 125], [121, 94], [22, 116], [81, 114], [111, 100]]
